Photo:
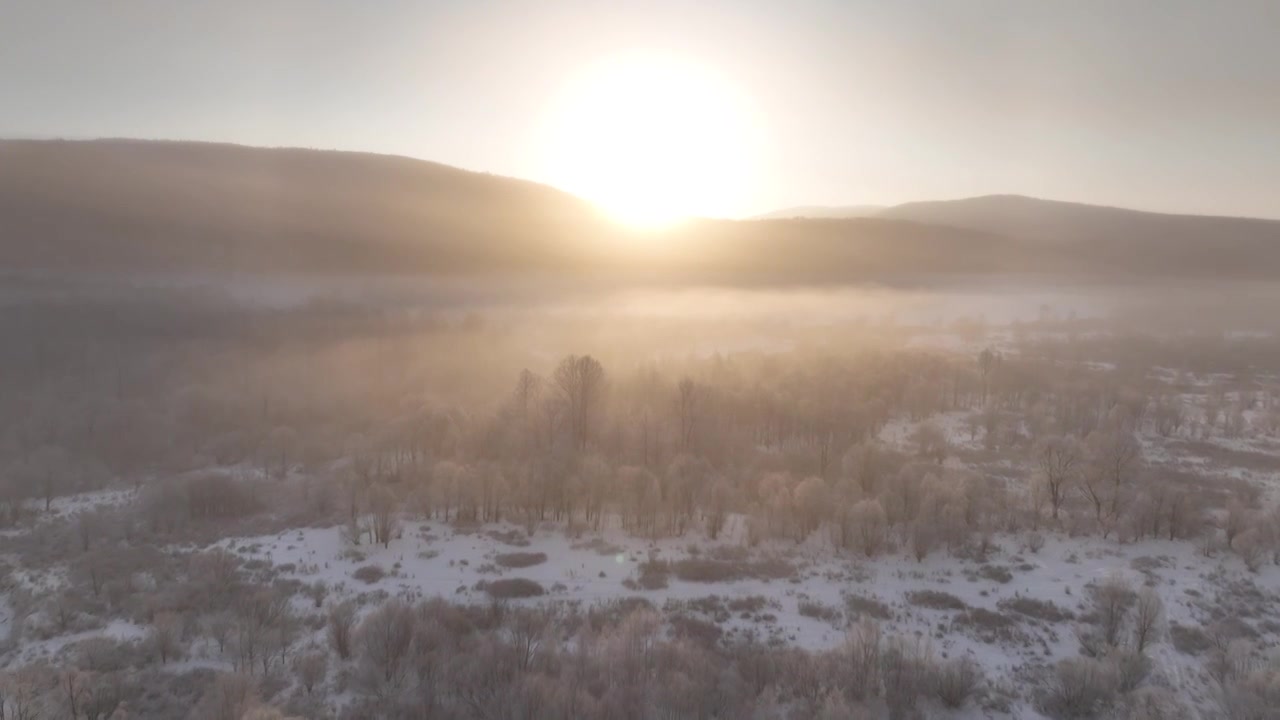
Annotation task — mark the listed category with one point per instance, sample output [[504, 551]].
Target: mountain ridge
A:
[[126, 204]]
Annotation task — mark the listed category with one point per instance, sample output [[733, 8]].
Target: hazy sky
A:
[[1163, 104]]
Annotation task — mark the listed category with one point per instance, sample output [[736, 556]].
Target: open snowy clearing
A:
[[1013, 613]]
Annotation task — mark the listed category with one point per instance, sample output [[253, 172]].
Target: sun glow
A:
[[652, 138]]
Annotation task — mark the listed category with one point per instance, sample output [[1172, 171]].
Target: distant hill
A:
[[822, 211], [1130, 240], [178, 205], [130, 205], [133, 205]]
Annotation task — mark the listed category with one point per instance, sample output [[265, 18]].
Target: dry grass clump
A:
[[1044, 610], [864, 607], [650, 575], [820, 611], [369, 574], [935, 600], [1189, 640], [520, 559], [710, 570], [513, 588], [515, 538], [987, 625]]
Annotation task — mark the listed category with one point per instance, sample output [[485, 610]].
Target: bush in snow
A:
[[1079, 688], [511, 588], [369, 574], [953, 682], [520, 559]]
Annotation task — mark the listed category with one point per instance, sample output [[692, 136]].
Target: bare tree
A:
[[50, 465], [1148, 613], [165, 636], [524, 401], [689, 407], [1111, 601], [871, 526], [716, 504], [20, 694], [579, 379], [812, 500], [1237, 521], [231, 696], [1115, 457], [931, 441], [311, 668], [341, 621], [278, 451], [384, 515], [386, 636], [987, 361], [860, 656], [219, 628], [1058, 459], [88, 526], [529, 628], [75, 689]]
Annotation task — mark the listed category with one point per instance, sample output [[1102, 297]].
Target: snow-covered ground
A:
[[1014, 611], [431, 559]]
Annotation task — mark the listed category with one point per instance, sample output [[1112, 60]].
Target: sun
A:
[[652, 138]]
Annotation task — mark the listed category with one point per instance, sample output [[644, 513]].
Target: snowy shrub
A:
[[935, 600], [987, 625], [1153, 703], [709, 571], [704, 633], [1189, 640], [520, 559], [750, 604], [317, 591], [819, 611], [106, 654], [651, 575], [1044, 610], [311, 668], [612, 612], [599, 546], [904, 674], [1112, 599], [514, 537], [369, 574], [859, 606], [996, 573], [710, 606], [1146, 618], [1231, 662], [341, 621], [953, 682], [1252, 548], [385, 639], [510, 588], [713, 571], [924, 536], [859, 659], [870, 526], [1252, 697], [1130, 668], [1079, 688]]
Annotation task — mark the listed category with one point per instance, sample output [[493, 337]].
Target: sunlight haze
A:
[[639, 360], [653, 137], [1168, 106]]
